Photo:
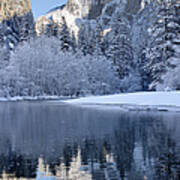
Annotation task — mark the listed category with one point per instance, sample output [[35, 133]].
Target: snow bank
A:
[[30, 98], [135, 101]]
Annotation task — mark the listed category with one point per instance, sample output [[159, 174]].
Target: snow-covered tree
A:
[[26, 29], [120, 51], [102, 76], [18, 29], [51, 29], [83, 38], [29, 67], [132, 82], [164, 42], [65, 38], [1, 35], [39, 67], [4, 57], [140, 38], [98, 38], [171, 80]]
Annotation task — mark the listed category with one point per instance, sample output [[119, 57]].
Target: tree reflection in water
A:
[[94, 145]]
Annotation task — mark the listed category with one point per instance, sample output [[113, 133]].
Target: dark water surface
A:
[[45, 141]]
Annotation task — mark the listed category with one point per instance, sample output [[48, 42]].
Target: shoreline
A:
[[139, 101], [35, 98], [130, 107]]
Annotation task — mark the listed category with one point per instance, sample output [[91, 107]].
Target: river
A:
[[46, 140]]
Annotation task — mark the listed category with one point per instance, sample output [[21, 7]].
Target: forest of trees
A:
[[141, 52], [39, 68]]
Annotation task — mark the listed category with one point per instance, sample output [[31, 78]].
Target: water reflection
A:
[[43, 141]]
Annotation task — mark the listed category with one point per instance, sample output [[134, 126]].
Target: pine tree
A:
[[140, 38], [1, 35], [98, 40], [82, 42], [65, 37], [90, 39], [4, 57], [86, 39], [26, 27], [120, 51], [11, 33], [162, 48]]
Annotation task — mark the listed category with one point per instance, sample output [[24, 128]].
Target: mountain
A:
[[89, 8], [73, 13], [16, 22], [76, 12]]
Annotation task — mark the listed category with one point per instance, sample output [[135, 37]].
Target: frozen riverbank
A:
[[31, 98], [161, 101]]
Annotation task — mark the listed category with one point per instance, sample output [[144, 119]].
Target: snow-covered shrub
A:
[[102, 76], [131, 83], [39, 67]]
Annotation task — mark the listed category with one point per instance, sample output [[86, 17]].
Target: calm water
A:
[[45, 141]]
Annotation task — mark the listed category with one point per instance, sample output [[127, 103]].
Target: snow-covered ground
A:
[[30, 98], [162, 101], [157, 101]]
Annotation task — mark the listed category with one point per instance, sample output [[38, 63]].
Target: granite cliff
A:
[[86, 8], [77, 12]]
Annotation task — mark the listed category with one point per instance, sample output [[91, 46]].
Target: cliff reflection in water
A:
[[40, 141]]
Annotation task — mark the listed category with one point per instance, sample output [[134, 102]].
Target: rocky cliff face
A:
[[10, 8], [76, 12], [86, 8], [16, 20], [73, 13], [93, 8]]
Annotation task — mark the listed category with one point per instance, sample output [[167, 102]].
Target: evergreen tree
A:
[[86, 39], [65, 37], [26, 27], [1, 35], [162, 52], [120, 51], [51, 29], [140, 38], [98, 38], [4, 57], [82, 43]]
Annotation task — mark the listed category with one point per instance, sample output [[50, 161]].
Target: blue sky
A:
[[40, 7]]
